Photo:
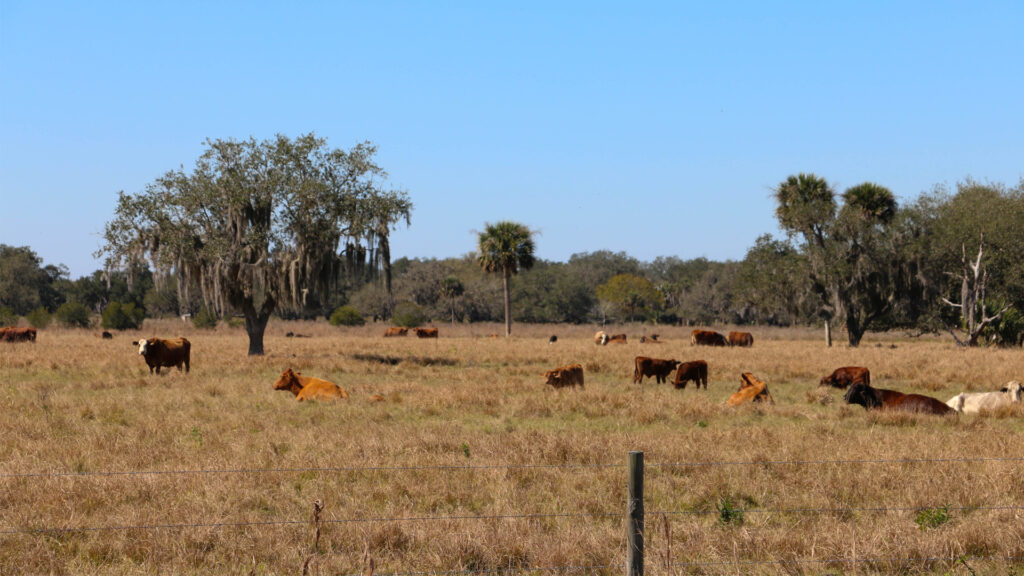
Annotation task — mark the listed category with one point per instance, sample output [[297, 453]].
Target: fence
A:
[[634, 517]]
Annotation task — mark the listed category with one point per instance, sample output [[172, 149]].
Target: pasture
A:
[[471, 463]]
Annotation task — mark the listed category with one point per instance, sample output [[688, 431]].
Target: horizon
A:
[[658, 131]]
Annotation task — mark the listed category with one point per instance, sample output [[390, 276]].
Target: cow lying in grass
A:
[[847, 376], [972, 403], [751, 390], [563, 376], [878, 398], [308, 388]]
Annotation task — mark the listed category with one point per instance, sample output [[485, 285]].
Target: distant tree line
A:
[[857, 260]]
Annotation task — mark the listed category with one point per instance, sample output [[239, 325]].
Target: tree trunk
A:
[[385, 264], [508, 304], [255, 326], [828, 334], [453, 310]]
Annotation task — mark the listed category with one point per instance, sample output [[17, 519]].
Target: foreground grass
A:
[[471, 463]]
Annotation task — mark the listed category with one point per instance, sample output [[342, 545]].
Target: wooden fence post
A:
[[635, 516]]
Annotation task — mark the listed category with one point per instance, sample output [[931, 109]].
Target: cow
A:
[[295, 335], [159, 352], [563, 376], [601, 338], [107, 335], [616, 339], [707, 338], [13, 334], [847, 376], [426, 332], [552, 339], [751, 390], [695, 371], [652, 339], [972, 403], [395, 331], [878, 398], [741, 339], [660, 369], [308, 388]]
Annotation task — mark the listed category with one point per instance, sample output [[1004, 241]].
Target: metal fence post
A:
[[635, 516]]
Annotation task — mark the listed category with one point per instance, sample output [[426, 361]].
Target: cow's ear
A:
[[135, 342]]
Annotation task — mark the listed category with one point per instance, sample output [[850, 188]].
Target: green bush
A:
[[932, 517], [8, 317], [204, 319], [346, 316], [74, 314], [408, 315], [122, 316], [39, 318]]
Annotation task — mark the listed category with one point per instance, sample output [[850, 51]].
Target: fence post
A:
[[635, 516]]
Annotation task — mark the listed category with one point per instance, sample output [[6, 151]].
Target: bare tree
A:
[[973, 278]]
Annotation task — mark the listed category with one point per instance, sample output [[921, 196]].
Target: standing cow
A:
[[695, 371], [570, 375], [741, 339], [645, 367], [707, 338], [159, 352]]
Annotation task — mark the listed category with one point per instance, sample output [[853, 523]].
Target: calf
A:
[[159, 352], [878, 398], [847, 376], [751, 390], [660, 369], [308, 388], [972, 403], [426, 332], [741, 339], [695, 371], [563, 376], [395, 331]]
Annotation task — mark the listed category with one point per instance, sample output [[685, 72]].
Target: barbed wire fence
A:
[[634, 516]]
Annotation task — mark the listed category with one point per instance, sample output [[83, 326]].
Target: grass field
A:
[[470, 463]]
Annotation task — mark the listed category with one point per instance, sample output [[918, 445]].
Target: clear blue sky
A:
[[657, 128]]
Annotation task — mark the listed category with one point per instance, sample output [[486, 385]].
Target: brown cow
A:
[[107, 335], [159, 352], [426, 332], [847, 376], [707, 338], [616, 339], [741, 339], [652, 339], [660, 369], [395, 331], [562, 376], [308, 388], [751, 390], [13, 334], [695, 371], [878, 398]]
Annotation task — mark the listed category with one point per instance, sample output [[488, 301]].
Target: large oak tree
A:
[[259, 226]]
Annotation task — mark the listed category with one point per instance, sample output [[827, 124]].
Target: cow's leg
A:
[[157, 368]]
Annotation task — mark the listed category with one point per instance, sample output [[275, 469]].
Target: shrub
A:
[[728, 512], [73, 314], [8, 317], [204, 319], [346, 316], [39, 318], [932, 517], [408, 315], [122, 316]]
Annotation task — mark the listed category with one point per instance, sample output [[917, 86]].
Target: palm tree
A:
[[506, 247]]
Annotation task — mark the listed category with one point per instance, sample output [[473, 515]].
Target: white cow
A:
[[972, 403]]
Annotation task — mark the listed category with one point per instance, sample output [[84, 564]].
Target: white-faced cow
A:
[[159, 352]]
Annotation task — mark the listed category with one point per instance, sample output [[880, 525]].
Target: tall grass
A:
[[76, 403]]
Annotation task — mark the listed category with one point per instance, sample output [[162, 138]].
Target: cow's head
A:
[[864, 395], [143, 346], [553, 377], [1013, 388], [287, 380]]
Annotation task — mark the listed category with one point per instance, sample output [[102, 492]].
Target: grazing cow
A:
[[751, 390], [563, 376], [107, 335], [552, 339], [847, 376], [660, 369], [878, 398], [308, 388], [395, 331], [159, 352], [741, 339], [707, 338], [12, 334], [695, 371], [972, 403], [616, 339], [426, 332], [600, 338]]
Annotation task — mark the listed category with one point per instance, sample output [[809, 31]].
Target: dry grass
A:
[[76, 403]]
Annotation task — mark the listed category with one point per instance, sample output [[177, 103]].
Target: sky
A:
[[653, 128]]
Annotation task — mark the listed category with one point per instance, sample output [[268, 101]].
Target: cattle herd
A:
[[856, 380]]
